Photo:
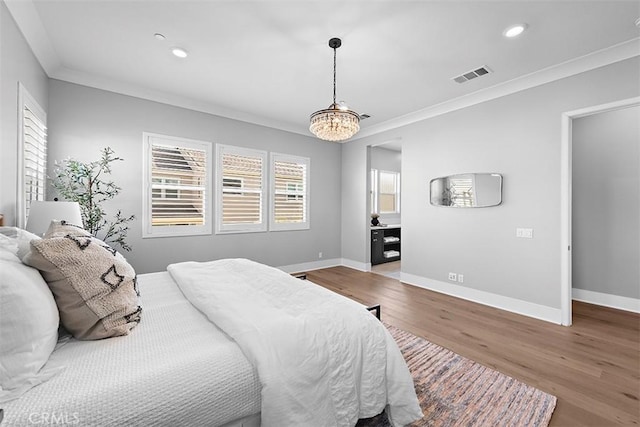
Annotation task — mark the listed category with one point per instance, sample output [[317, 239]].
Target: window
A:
[[241, 187], [177, 176], [289, 192], [385, 192], [230, 183], [32, 154], [166, 188], [294, 192], [389, 192]]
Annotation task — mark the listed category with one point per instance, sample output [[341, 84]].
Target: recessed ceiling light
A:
[[515, 30], [159, 36], [179, 52]]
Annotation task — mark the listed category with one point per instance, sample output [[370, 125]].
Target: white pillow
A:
[[8, 244], [16, 237], [28, 327]]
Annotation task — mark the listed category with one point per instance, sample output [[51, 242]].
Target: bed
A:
[[189, 362]]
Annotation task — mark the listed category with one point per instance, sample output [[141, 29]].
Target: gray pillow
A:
[[93, 285]]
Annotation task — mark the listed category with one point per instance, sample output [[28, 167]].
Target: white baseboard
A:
[[607, 300], [309, 266], [357, 265], [513, 305]]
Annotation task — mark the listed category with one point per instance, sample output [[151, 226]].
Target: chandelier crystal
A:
[[337, 122]]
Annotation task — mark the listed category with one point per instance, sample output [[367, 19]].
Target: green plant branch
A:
[[82, 182]]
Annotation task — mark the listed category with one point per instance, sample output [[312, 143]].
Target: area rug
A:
[[456, 391]]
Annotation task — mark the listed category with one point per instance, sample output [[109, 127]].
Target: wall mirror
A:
[[467, 190]]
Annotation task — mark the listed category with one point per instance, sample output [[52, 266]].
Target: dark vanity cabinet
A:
[[385, 245]]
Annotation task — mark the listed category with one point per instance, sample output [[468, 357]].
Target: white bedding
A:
[[322, 359], [175, 368]]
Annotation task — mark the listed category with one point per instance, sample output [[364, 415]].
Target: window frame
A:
[[375, 191], [220, 227], [373, 178], [289, 226], [152, 231], [26, 101]]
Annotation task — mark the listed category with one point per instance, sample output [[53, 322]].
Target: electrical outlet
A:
[[460, 278], [453, 276], [319, 254], [524, 233]]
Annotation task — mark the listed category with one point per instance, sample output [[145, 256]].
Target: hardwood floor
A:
[[389, 269], [593, 367]]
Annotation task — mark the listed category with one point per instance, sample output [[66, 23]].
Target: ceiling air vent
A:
[[472, 74]]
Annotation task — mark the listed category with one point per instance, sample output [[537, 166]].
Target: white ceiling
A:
[[268, 62]]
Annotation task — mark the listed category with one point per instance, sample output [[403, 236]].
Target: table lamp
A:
[[42, 213]]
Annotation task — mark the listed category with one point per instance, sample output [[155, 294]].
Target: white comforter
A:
[[322, 359]]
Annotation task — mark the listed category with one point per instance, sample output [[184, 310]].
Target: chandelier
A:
[[337, 122]]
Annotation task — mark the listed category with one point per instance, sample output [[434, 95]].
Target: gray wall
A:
[[17, 64], [605, 205], [355, 216], [386, 160], [82, 120], [517, 135], [391, 161]]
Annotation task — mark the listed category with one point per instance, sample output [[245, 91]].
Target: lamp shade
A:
[[42, 213]]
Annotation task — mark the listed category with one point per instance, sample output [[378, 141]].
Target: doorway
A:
[[384, 183], [566, 288]]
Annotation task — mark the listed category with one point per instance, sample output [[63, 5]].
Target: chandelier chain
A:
[[334, 75]]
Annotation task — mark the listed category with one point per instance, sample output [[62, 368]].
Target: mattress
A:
[[174, 368]]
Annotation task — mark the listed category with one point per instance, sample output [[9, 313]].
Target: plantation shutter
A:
[[178, 179], [32, 154], [241, 184], [290, 195], [178, 185], [35, 158]]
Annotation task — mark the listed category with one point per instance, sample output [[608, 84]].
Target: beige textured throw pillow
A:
[[93, 285]]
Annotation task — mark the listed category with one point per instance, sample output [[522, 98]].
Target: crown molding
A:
[[137, 91], [597, 59], [28, 20], [26, 16]]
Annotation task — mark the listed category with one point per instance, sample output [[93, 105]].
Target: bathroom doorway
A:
[[385, 197]]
